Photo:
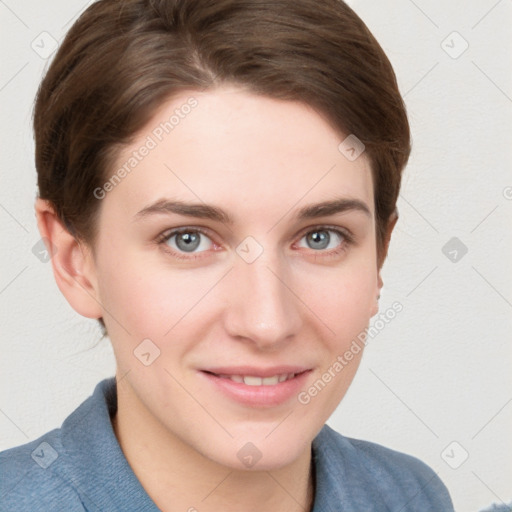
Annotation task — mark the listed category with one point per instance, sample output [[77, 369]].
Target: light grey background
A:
[[436, 381]]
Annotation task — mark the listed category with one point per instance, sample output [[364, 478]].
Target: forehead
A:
[[231, 147]]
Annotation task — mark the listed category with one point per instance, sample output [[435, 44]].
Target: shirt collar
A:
[[98, 468], [103, 478]]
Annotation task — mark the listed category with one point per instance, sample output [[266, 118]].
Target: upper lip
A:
[[254, 371]]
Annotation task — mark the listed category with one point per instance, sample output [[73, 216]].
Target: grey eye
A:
[[320, 239], [188, 241]]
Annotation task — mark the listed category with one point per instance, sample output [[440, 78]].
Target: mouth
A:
[[257, 387], [254, 380]]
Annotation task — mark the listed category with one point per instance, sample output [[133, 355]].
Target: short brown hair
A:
[[123, 58]]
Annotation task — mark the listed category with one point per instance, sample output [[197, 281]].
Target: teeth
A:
[[271, 381], [250, 380], [253, 381]]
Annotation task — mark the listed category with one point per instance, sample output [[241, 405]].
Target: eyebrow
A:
[[206, 211]]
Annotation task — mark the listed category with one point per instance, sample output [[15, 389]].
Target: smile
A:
[[250, 380], [269, 390]]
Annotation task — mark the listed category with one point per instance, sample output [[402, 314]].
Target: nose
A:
[[262, 308]]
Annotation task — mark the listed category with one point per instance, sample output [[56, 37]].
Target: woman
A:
[[217, 185]]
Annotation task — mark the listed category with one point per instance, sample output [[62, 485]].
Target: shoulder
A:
[[29, 481], [55, 471], [399, 480]]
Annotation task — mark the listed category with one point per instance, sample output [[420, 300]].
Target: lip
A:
[[257, 396], [255, 371]]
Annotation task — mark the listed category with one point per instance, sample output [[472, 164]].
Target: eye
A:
[[188, 243], [327, 239], [185, 241]]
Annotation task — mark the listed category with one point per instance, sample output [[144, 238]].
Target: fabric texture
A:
[[81, 467]]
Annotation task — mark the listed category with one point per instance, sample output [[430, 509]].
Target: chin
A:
[[261, 453]]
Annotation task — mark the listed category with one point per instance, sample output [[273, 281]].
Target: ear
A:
[[389, 229], [72, 262], [383, 254]]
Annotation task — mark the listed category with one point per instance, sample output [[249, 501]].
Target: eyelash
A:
[[344, 234]]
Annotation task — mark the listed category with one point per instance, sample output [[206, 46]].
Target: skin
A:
[[261, 160]]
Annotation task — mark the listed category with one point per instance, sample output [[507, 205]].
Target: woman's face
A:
[[281, 288]]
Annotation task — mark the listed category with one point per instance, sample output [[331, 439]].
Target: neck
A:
[[177, 477]]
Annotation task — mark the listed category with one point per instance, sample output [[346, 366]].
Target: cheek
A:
[[345, 299], [346, 306], [146, 299]]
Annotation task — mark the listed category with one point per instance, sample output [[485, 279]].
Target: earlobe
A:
[[72, 262]]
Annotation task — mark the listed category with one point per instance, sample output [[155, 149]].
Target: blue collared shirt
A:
[[80, 467]]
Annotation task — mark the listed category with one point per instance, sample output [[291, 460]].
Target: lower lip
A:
[[259, 396]]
